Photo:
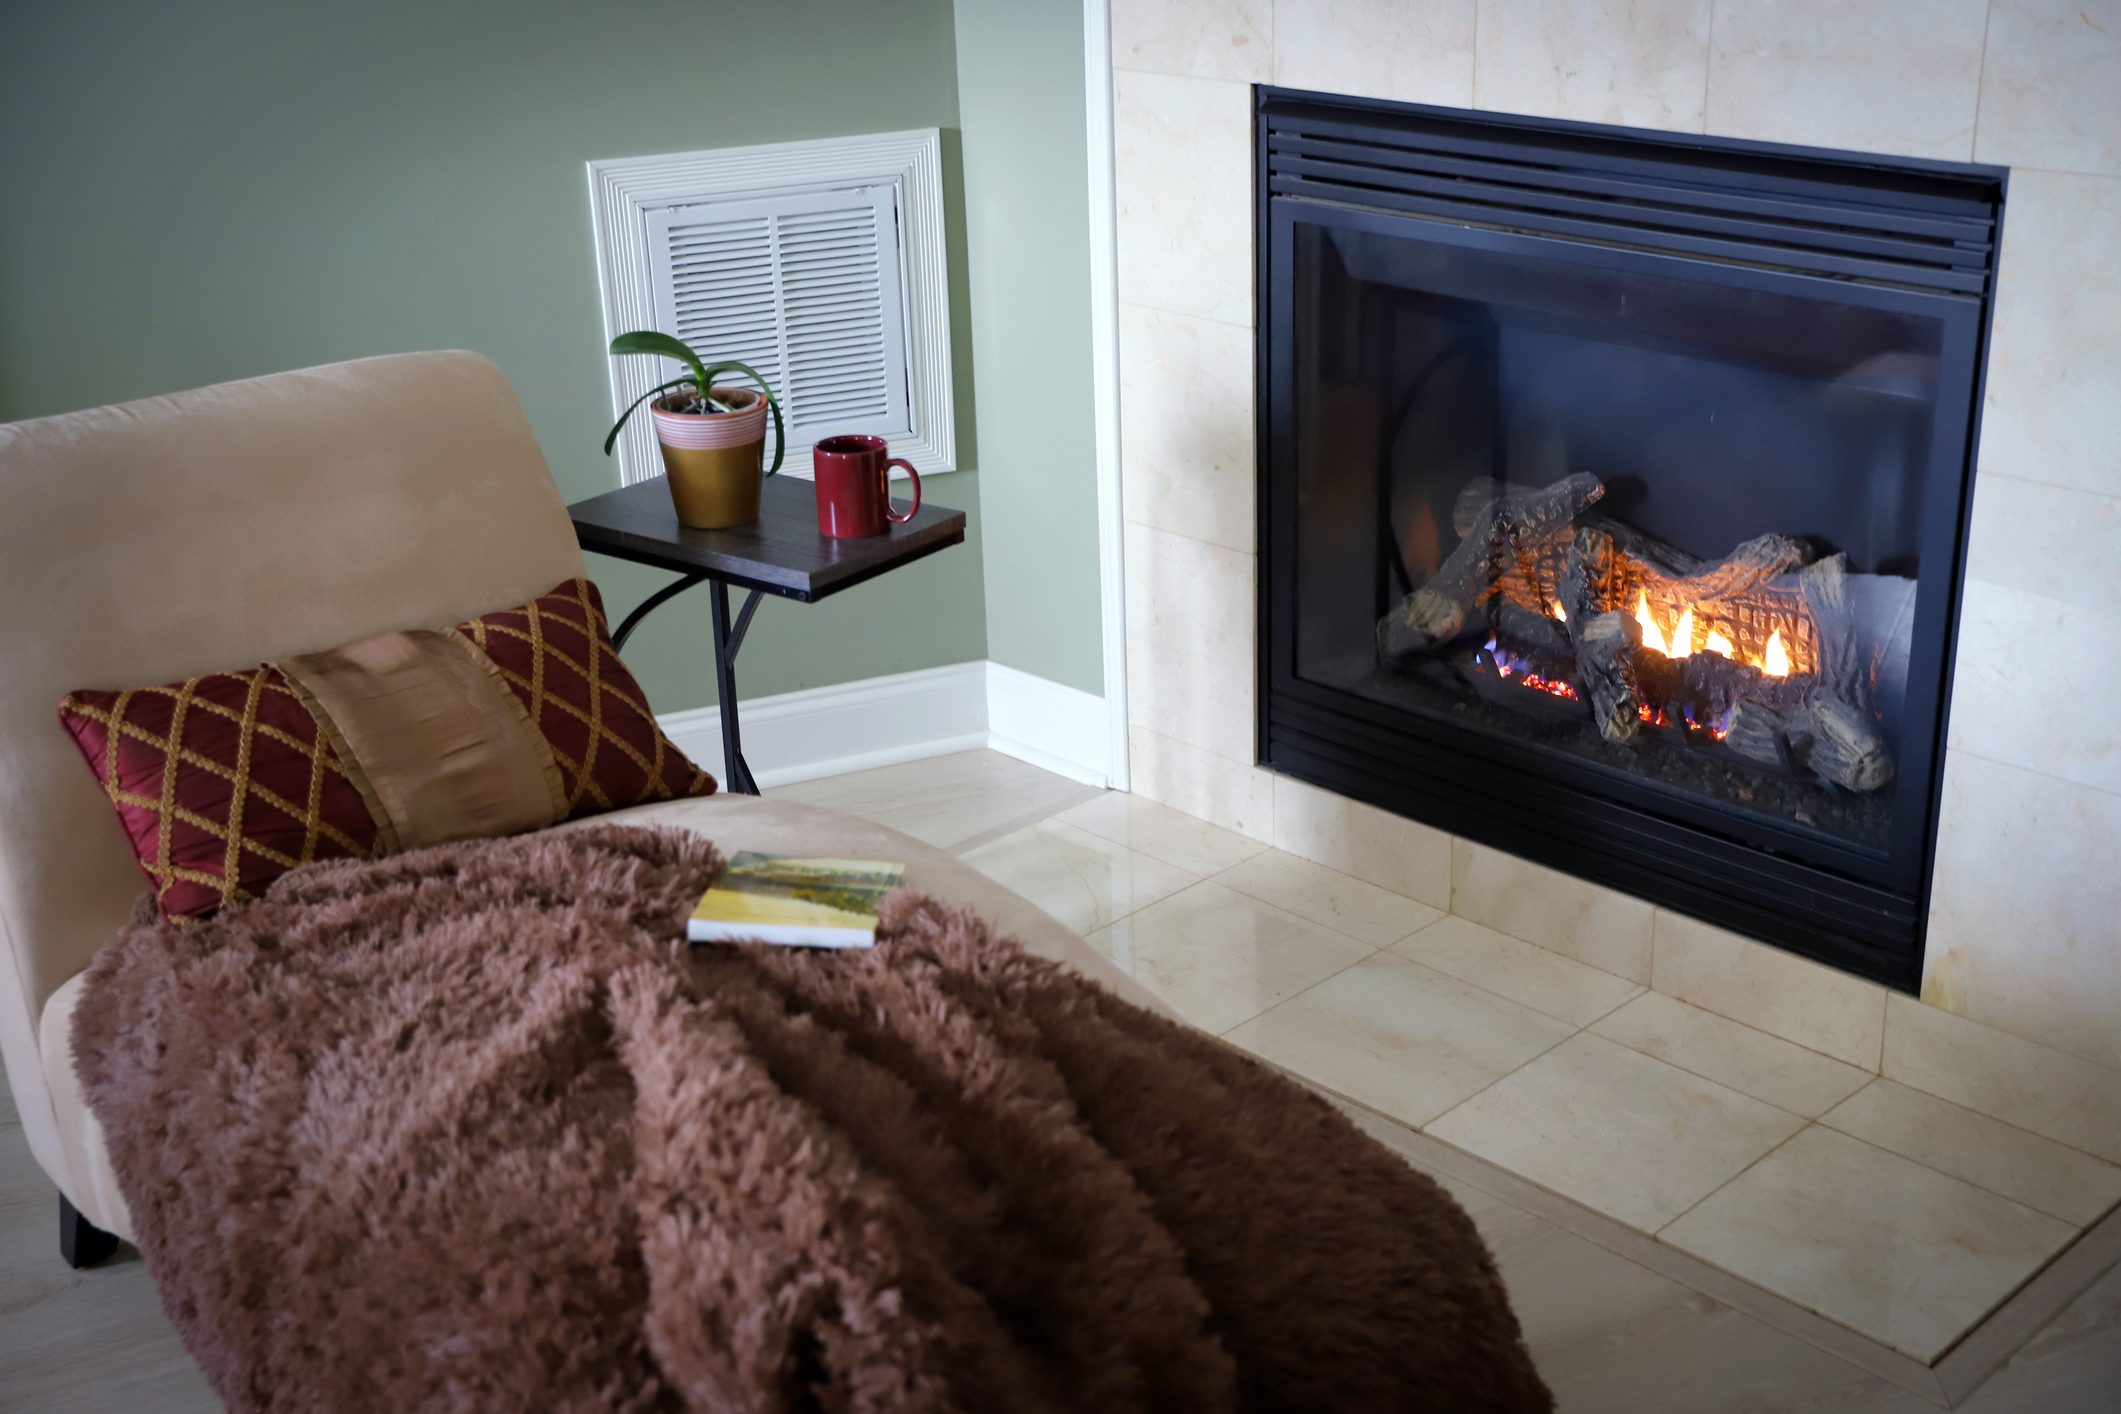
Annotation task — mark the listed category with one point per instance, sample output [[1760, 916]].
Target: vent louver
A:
[[806, 289], [1788, 213]]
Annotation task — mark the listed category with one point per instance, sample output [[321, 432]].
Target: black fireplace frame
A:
[[1894, 233]]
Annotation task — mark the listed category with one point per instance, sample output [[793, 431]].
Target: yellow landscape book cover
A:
[[802, 903]]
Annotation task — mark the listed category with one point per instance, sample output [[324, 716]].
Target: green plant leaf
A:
[[773, 405], [650, 341], [611, 439]]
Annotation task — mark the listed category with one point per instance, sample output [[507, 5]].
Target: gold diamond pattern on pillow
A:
[[555, 653], [223, 783]]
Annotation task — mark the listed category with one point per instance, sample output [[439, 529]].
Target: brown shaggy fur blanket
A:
[[467, 1129]]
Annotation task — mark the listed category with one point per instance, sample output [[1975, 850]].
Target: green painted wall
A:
[[214, 190], [1021, 104]]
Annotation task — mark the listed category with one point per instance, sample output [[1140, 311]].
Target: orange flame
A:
[[1652, 636], [1774, 661]]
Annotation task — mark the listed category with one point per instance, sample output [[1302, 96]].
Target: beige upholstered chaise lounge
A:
[[246, 523]]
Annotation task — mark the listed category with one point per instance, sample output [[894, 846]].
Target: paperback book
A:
[[798, 903]]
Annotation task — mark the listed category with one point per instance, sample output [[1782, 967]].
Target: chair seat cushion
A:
[[512, 721]]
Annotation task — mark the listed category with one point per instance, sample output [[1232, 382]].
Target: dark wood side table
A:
[[780, 553]]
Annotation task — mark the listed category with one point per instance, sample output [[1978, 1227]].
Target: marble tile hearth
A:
[[1898, 1182]]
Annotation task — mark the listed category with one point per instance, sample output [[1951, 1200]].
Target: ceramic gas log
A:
[[1555, 609]]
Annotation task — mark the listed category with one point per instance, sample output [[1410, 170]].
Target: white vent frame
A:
[[624, 191]]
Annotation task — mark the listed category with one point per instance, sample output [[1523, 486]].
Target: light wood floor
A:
[[1608, 1333]]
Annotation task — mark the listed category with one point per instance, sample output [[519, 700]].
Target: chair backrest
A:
[[218, 529]]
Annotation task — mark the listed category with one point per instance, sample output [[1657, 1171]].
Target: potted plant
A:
[[713, 438]]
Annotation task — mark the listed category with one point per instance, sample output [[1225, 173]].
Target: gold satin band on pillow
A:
[[436, 744]]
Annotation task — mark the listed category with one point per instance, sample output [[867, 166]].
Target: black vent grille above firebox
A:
[[1736, 345], [1785, 213]]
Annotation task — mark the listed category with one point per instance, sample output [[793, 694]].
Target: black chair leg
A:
[[81, 1242]]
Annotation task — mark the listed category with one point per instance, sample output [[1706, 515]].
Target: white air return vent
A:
[[820, 264]]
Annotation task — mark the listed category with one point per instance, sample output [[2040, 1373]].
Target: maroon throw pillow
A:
[[223, 783], [515, 720], [555, 653]]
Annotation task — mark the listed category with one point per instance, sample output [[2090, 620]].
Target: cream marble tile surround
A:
[[2025, 933]]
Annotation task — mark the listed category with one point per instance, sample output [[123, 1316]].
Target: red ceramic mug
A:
[[854, 488]]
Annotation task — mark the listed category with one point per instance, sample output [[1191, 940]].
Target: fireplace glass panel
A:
[[1666, 525]]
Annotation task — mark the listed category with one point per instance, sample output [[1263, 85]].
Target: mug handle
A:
[[916, 508]]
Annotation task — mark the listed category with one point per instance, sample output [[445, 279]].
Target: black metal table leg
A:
[[669, 591], [728, 639]]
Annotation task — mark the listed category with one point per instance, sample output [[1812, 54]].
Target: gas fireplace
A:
[[1612, 493]]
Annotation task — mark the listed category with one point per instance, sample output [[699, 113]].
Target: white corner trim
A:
[[1104, 372], [1049, 724], [881, 721], [622, 191]]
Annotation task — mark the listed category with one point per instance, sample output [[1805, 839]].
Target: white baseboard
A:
[[1035, 719], [828, 731]]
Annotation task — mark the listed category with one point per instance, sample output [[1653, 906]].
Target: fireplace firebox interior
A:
[[1613, 489]]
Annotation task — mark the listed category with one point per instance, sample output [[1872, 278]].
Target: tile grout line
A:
[[1651, 986], [1721, 1016], [2071, 1223], [1640, 989], [1601, 1231], [1885, 1018], [2075, 1234], [1292, 997], [1658, 1233], [2044, 775], [1432, 923], [1880, 1074], [2033, 480], [1187, 314], [1473, 79], [1258, 847], [1512, 1001], [1763, 1031], [1377, 947], [980, 839], [1262, 903], [1640, 992], [1917, 1001], [2004, 1300], [1118, 918], [1551, 952], [1181, 741], [1973, 136], [1965, 1353], [1708, 69], [1984, 1114], [1192, 539], [2058, 1143], [1424, 1127], [1119, 68]]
